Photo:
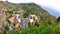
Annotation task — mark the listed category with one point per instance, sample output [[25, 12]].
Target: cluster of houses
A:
[[17, 21]]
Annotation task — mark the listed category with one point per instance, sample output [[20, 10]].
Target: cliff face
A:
[[2, 13], [28, 8]]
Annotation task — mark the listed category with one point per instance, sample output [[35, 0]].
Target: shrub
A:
[[44, 28]]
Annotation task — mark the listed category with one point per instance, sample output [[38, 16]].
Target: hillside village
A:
[[16, 20], [17, 16]]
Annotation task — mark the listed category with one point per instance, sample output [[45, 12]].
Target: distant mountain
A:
[[51, 10], [30, 8]]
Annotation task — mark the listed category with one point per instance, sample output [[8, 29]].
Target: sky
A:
[[55, 4]]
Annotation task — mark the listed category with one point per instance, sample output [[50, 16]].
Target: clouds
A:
[[52, 3], [52, 11]]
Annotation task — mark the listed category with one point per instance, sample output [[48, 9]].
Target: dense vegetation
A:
[[44, 28]]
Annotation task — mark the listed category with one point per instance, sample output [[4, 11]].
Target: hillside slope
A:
[[31, 8]]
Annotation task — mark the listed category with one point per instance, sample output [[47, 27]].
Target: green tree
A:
[[58, 20]]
